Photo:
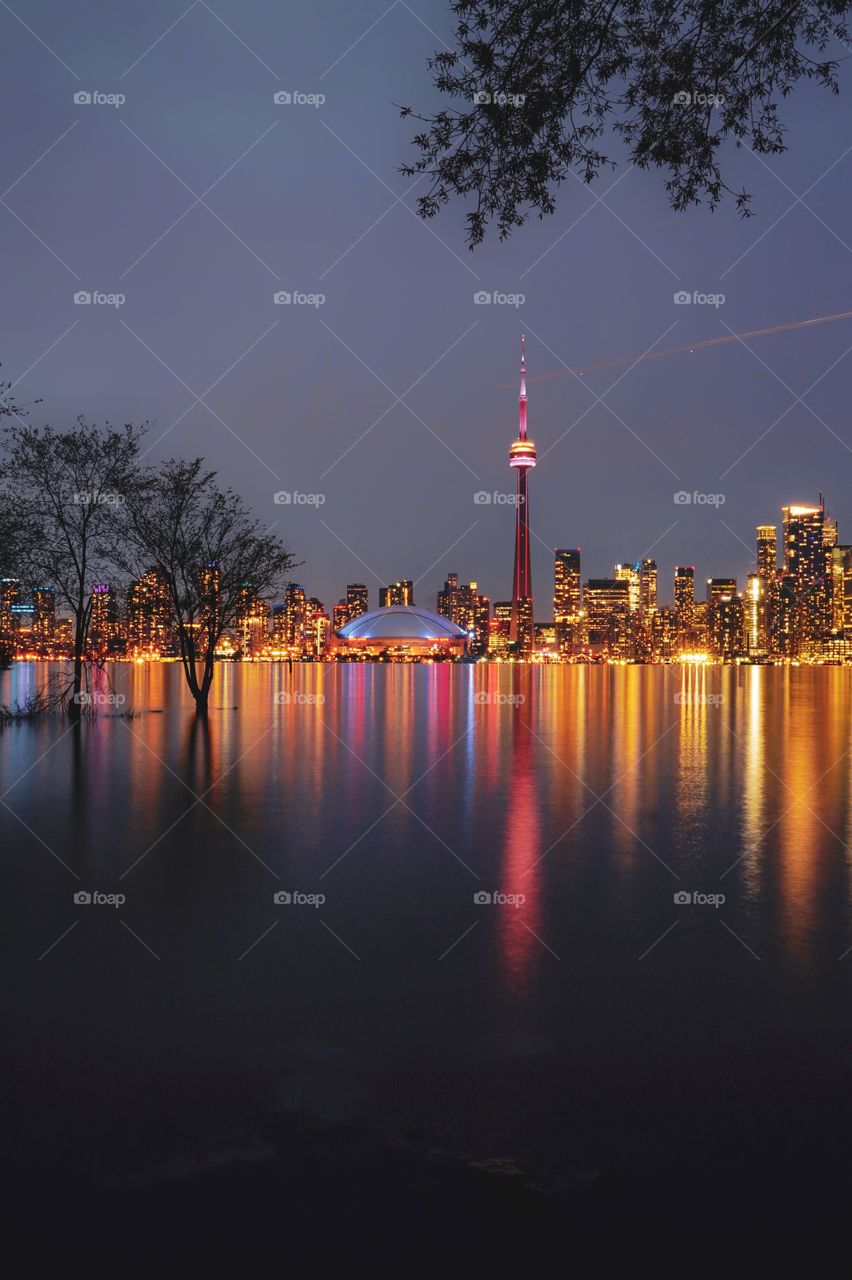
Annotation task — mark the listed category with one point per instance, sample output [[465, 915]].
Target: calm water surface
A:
[[589, 1023]]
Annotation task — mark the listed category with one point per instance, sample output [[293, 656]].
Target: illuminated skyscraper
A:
[[44, 615], [10, 595], [104, 626], [786, 639], [727, 623], [767, 552], [719, 588], [803, 543], [567, 599], [252, 622], [841, 589], [447, 604], [767, 568], [567, 592], [648, 585], [353, 605], [664, 633], [725, 617], [807, 559], [684, 604], [149, 614], [279, 625], [210, 588], [500, 626], [317, 628], [629, 573], [607, 603], [401, 592], [464, 606], [295, 616], [521, 458], [756, 630], [357, 599]]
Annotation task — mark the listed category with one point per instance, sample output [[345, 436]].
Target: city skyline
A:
[[795, 603], [305, 396]]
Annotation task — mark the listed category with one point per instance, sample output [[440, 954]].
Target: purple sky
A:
[[304, 398]]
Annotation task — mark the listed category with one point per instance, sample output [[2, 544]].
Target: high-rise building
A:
[[357, 599], [355, 603], [807, 560], [104, 626], [767, 552], [521, 457], [767, 568], [295, 616], [149, 614], [841, 589], [401, 592], [718, 588], [664, 633], [44, 615], [10, 595], [447, 604], [567, 592], [648, 585], [786, 638], [279, 625], [684, 605], [727, 621], [210, 590], [756, 620], [500, 626], [725, 617], [629, 573], [464, 606], [567, 599], [607, 604], [829, 532], [317, 628]]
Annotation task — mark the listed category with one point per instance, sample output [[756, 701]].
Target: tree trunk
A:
[[75, 710], [203, 695]]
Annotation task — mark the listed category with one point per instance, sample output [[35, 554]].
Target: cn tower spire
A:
[[521, 458], [522, 401]]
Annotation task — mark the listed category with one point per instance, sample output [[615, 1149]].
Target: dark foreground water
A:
[[590, 1040]]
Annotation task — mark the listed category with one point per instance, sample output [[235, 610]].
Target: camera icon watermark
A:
[[485, 98], [496, 898], [83, 898], [295, 298], [483, 699], [288, 699], [495, 298], [483, 498], [286, 898], [687, 98], [288, 497], [683, 898], [682, 498], [83, 298], [295, 98], [96, 698], [683, 298], [82, 98], [84, 498]]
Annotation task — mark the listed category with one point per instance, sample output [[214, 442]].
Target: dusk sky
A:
[[307, 198]]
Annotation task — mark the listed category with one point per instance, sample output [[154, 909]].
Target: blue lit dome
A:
[[399, 623]]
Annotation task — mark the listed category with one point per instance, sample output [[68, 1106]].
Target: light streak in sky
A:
[[695, 346]]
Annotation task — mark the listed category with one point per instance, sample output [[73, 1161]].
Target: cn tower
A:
[[521, 458]]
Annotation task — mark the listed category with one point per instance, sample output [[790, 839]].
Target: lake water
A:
[[589, 1023]]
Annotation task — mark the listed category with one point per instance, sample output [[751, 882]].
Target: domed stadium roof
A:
[[400, 622]]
